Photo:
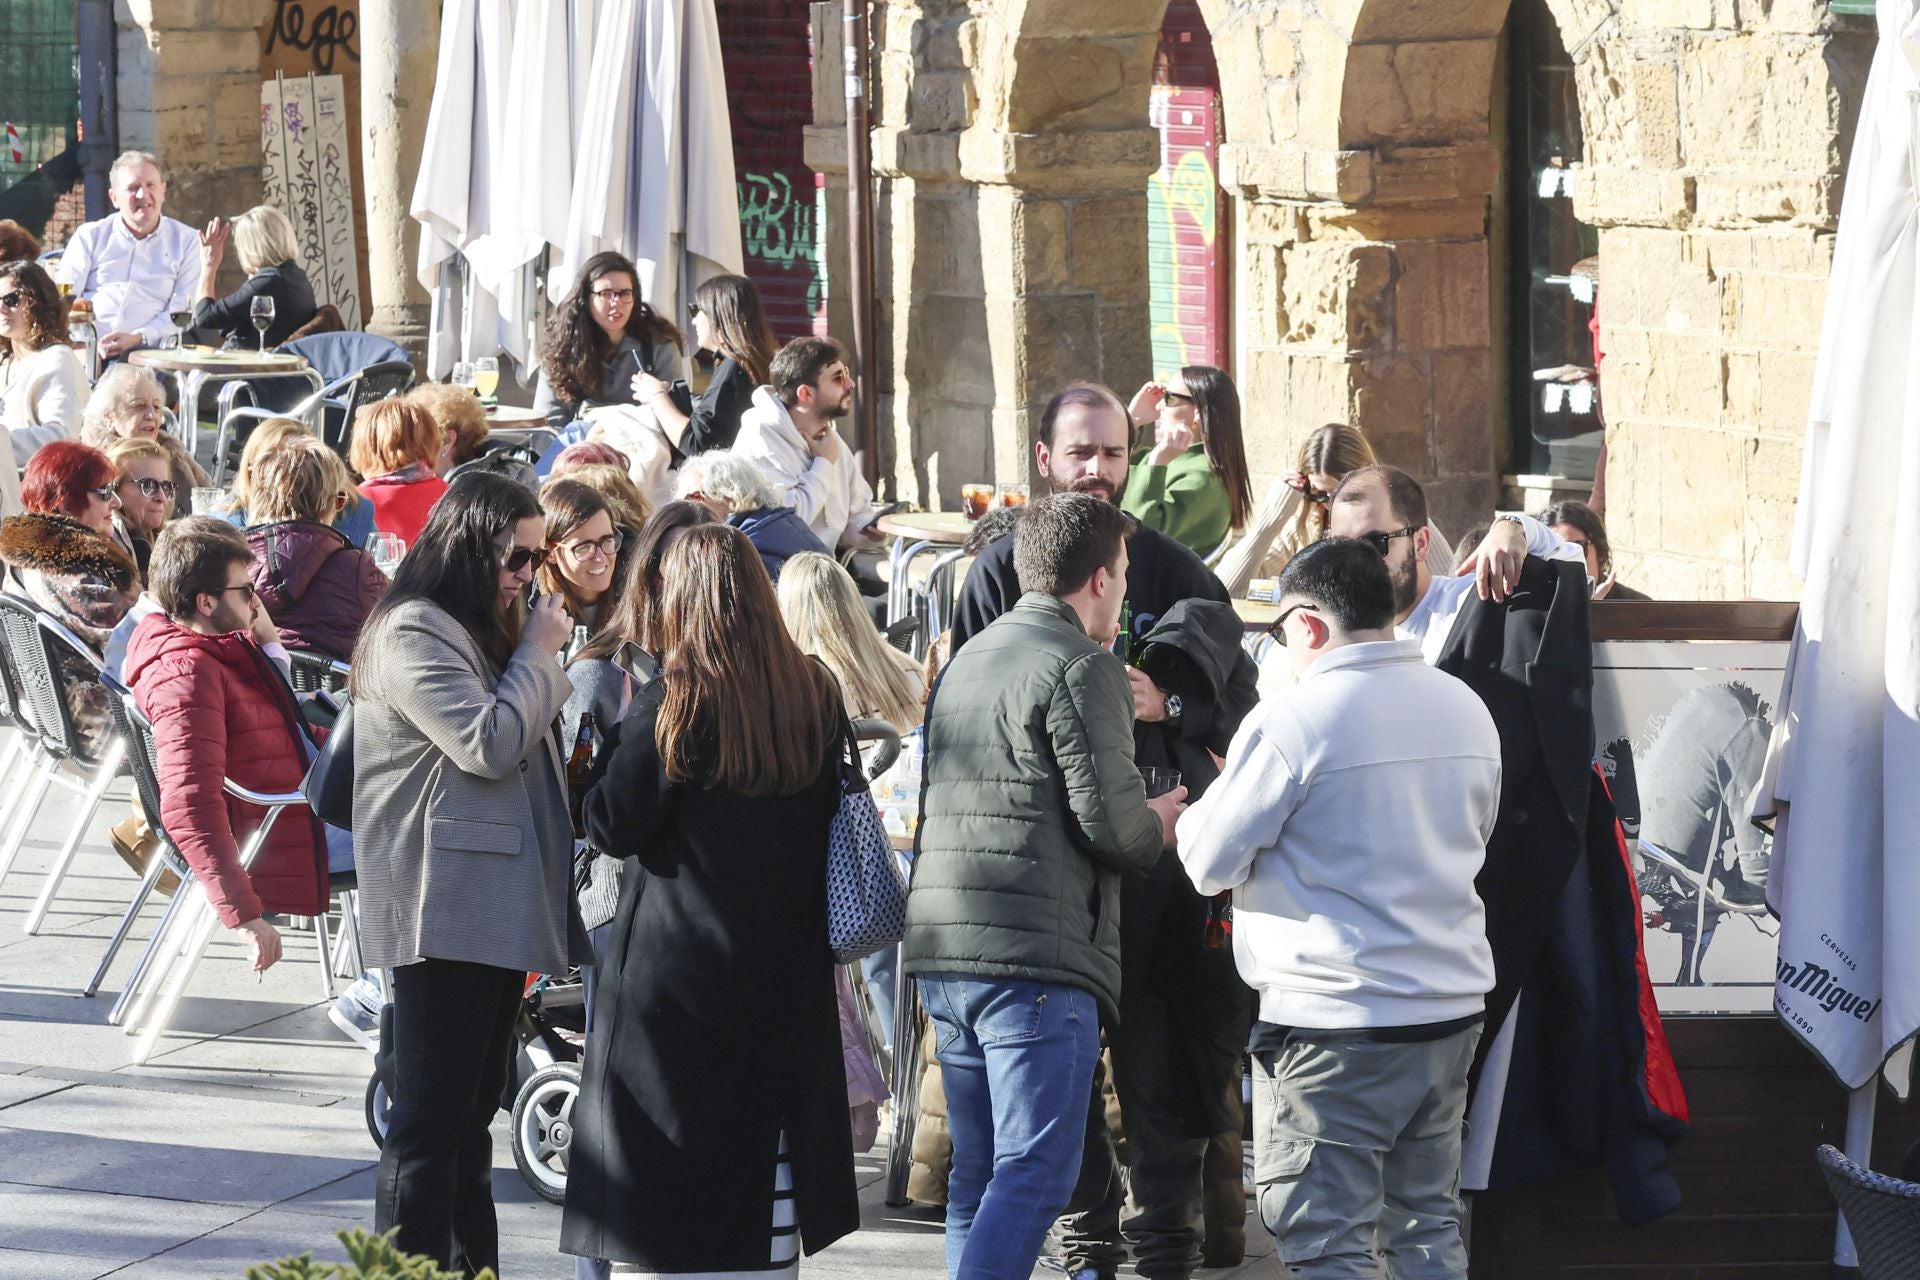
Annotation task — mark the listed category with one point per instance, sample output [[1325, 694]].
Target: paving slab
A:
[[94, 1225]]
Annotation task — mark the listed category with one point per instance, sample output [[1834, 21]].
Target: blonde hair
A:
[[826, 618], [392, 434], [625, 503], [123, 452], [110, 395], [263, 440], [263, 237], [299, 479], [1336, 450], [459, 414]]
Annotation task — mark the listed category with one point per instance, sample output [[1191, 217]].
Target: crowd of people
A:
[[688, 592]]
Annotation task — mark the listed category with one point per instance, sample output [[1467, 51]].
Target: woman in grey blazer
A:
[[463, 845]]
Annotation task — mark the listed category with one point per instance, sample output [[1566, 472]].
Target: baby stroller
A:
[[542, 1083]]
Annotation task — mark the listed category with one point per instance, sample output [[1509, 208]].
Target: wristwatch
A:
[[1173, 706], [1509, 516]]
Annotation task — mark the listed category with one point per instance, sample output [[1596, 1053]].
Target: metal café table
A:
[[192, 368], [916, 533], [522, 426]]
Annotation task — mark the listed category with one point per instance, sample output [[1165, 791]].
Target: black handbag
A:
[[328, 785]]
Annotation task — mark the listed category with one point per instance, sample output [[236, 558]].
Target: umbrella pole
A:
[[1859, 1149], [860, 237]]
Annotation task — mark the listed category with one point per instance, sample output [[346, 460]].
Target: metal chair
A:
[[40, 649], [312, 672], [330, 411], [23, 745], [1882, 1215]]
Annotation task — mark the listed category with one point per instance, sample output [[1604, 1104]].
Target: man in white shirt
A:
[[789, 433], [135, 265], [1350, 822]]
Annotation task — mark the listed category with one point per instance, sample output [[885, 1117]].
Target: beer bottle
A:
[[579, 773], [1123, 643], [1219, 929]]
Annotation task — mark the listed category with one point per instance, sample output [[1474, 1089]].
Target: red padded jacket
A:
[[219, 709]]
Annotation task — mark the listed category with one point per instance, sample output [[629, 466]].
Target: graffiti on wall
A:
[[779, 229], [323, 33], [306, 175], [1183, 224]]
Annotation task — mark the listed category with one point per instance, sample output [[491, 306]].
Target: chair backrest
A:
[[143, 753], [371, 385], [514, 461], [1882, 1213], [341, 355], [10, 713], [315, 671], [39, 684]]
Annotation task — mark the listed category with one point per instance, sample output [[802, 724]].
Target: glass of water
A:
[[386, 550], [206, 501]]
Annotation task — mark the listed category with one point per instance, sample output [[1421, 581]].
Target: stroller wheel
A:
[[543, 1128], [379, 1109]]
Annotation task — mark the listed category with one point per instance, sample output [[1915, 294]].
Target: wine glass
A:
[[486, 376], [180, 320], [261, 310], [463, 374]]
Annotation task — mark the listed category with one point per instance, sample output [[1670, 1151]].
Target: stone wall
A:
[[1011, 154]]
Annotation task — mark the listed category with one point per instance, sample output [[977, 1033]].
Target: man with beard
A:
[[1183, 1012], [789, 433]]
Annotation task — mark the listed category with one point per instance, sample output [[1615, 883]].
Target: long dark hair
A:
[[1218, 401], [46, 313], [570, 504], [455, 564], [578, 349], [635, 617], [739, 323], [744, 710]]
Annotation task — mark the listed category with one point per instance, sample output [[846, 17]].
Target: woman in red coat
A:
[[395, 444], [202, 674]]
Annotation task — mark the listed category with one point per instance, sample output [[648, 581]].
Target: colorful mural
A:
[[1186, 282]]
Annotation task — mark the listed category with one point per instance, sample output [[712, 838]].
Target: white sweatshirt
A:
[[1351, 819], [833, 498]]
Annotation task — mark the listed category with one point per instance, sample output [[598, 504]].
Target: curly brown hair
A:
[[46, 312], [578, 350]]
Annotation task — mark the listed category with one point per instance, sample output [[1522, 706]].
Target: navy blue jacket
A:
[[778, 534]]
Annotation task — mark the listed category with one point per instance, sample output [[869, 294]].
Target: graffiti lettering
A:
[[332, 31], [775, 228]]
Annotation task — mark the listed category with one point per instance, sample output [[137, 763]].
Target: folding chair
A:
[[39, 648]]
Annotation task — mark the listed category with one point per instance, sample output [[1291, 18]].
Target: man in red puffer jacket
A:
[[204, 673]]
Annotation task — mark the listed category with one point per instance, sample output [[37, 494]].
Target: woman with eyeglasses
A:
[[463, 845], [316, 585], [61, 555], [729, 321], [1191, 482], [583, 551], [41, 382], [599, 338], [143, 481], [1294, 512], [127, 404]]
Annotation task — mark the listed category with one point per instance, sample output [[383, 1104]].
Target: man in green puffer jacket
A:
[[1031, 812]]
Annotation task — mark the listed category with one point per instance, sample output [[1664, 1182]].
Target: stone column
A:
[[399, 42]]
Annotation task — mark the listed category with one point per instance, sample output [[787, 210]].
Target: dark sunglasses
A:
[[1382, 541], [11, 298], [693, 310], [105, 493], [153, 488], [1277, 628], [1317, 498], [1178, 397], [520, 557]]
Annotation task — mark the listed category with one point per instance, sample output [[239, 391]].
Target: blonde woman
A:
[[270, 255], [1294, 512], [316, 584], [826, 617], [127, 403], [463, 422], [143, 479], [355, 522]]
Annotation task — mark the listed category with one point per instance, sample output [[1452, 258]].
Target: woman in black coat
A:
[[270, 255], [714, 1070], [729, 321]]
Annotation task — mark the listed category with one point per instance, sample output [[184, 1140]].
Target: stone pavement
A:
[[243, 1139]]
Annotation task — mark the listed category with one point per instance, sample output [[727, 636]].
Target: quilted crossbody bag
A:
[[866, 892]]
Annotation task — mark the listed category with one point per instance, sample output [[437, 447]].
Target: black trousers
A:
[[452, 1030]]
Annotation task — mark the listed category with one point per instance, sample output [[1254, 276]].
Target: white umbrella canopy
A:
[[1846, 756]]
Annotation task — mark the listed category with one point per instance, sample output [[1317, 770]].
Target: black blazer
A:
[[293, 306]]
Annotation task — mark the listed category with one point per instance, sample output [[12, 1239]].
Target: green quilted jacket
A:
[[1032, 809]]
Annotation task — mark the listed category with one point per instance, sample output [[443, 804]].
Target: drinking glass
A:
[[1159, 781], [463, 374], [261, 311], [975, 498], [180, 320], [486, 376], [206, 500], [1013, 495], [386, 550]]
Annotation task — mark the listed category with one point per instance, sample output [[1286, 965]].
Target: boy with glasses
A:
[[1373, 770]]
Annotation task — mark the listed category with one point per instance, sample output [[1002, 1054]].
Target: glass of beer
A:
[[486, 376], [975, 499], [1013, 495]]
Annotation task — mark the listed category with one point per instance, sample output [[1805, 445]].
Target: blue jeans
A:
[[1017, 1062]]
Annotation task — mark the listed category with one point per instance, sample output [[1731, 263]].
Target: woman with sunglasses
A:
[[729, 321], [143, 481], [317, 586], [1191, 483], [41, 382], [599, 338], [463, 845], [61, 556], [583, 551]]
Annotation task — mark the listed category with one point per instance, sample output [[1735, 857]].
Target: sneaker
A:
[[356, 1011]]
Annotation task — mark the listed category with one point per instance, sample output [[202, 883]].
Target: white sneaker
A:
[[356, 1011]]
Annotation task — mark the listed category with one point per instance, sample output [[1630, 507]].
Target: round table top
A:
[[949, 528], [510, 415], [212, 360]]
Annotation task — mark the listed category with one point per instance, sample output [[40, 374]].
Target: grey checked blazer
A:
[[461, 836]]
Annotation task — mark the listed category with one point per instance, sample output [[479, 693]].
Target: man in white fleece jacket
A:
[[1349, 823], [788, 432]]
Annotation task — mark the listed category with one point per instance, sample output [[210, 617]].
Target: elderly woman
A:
[[463, 422], [127, 404], [270, 256], [395, 445], [736, 491], [41, 381], [143, 481], [62, 556]]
